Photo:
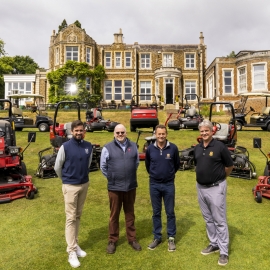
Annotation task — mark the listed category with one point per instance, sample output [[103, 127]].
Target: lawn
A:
[[33, 230]]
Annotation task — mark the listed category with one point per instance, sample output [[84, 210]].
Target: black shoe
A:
[[135, 245], [111, 247], [210, 249], [154, 244], [223, 260]]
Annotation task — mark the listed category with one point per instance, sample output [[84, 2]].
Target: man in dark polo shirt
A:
[[213, 164]]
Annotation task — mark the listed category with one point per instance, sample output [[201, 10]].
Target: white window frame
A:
[[242, 79], [145, 89], [118, 90], [88, 55], [167, 60], [74, 54], [118, 60], [108, 59], [127, 89], [262, 74], [226, 77], [190, 62], [108, 95], [191, 88], [145, 60], [19, 88], [128, 59], [88, 83]]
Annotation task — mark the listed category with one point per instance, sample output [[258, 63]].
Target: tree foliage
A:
[[15, 65], [62, 26], [78, 24], [232, 54], [2, 50], [81, 71]]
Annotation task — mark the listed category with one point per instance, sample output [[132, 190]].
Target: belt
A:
[[213, 184]]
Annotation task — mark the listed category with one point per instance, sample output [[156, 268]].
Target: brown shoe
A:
[[135, 245], [111, 247]]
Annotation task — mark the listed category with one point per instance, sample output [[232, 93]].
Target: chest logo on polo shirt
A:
[[168, 156], [86, 150], [211, 154]]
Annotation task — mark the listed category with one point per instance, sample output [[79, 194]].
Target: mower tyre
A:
[[174, 124], [43, 127], [266, 171], [258, 197], [31, 195], [132, 128], [111, 126], [23, 170]]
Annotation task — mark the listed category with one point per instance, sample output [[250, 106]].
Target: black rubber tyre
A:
[[23, 170], [31, 195], [258, 197], [266, 171], [132, 128], [268, 127], [18, 129], [238, 126], [43, 127], [174, 124]]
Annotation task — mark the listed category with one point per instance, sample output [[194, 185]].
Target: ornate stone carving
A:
[[72, 38]]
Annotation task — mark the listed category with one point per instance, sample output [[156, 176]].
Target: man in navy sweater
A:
[[119, 162], [72, 167], [162, 162]]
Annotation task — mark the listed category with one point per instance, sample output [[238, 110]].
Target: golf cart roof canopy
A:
[[18, 96], [253, 94]]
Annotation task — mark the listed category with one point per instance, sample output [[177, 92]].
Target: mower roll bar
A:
[[65, 103]]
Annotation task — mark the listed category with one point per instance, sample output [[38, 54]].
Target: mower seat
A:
[[222, 134], [191, 111], [67, 128]]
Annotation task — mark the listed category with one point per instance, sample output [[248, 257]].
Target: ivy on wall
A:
[[81, 71]]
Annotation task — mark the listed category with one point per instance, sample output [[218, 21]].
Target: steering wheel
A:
[[217, 125], [252, 109], [2, 133]]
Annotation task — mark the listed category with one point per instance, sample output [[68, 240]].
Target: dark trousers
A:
[[117, 199], [167, 192]]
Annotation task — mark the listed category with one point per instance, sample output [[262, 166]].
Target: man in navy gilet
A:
[[72, 167], [119, 162]]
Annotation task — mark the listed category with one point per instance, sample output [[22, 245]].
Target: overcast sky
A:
[[227, 25]]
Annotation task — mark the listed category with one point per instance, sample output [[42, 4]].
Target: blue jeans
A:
[[167, 192]]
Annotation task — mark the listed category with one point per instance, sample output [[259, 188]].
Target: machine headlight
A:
[[13, 150]]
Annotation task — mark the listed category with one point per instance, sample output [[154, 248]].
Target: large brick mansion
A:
[[166, 70]]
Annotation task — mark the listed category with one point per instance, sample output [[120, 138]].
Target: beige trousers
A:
[[74, 197]]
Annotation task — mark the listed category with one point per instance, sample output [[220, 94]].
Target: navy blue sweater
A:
[[75, 168], [162, 164]]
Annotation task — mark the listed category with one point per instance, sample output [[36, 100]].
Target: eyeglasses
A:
[[120, 132]]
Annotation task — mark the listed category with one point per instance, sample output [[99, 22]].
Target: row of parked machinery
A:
[[15, 183]]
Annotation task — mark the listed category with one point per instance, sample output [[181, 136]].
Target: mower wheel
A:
[[23, 170], [43, 127], [266, 171], [238, 126], [31, 195], [258, 197], [132, 128]]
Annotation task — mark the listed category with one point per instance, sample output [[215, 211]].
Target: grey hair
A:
[[206, 123]]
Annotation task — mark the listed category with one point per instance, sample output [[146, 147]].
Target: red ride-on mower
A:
[[14, 181], [262, 189], [95, 121], [188, 117], [226, 133], [60, 133]]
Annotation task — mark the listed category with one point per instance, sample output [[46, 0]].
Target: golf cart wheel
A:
[[258, 197], [31, 195], [43, 127], [268, 127], [238, 126], [18, 129]]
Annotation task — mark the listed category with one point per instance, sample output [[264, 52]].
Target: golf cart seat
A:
[[17, 112], [67, 128], [222, 134], [265, 112], [191, 111]]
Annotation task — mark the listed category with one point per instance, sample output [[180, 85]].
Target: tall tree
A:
[[2, 51], [78, 24], [232, 54], [62, 26], [15, 65]]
